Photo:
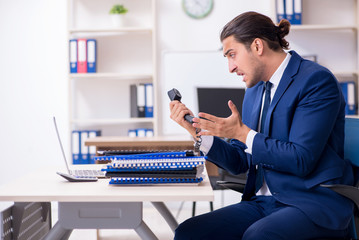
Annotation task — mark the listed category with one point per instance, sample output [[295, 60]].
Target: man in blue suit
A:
[[290, 139]]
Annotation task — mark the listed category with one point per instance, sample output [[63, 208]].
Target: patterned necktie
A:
[[267, 88]]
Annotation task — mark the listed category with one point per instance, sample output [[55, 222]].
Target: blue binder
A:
[[84, 150], [348, 89], [149, 100], [297, 19], [141, 132], [91, 55], [289, 10], [132, 133], [73, 55], [75, 147], [149, 132], [144, 181], [280, 9]]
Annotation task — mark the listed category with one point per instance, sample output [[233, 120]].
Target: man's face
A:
[[242, 61]]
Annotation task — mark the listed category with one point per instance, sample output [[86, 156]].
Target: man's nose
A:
[[232, 67]]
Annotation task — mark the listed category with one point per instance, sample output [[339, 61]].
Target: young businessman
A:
[[290, 139]]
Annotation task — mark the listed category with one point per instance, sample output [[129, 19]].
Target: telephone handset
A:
[[174, 94]]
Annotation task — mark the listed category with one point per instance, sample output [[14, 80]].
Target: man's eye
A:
[[231, 55]]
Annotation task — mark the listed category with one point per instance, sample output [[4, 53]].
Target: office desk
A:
[[98, 205]]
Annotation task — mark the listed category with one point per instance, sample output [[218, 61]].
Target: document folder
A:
[[297, 12], [81, 56], [348, 89], [280, 7], [73, 55], [149, 100], [289, 10], [91, 55]]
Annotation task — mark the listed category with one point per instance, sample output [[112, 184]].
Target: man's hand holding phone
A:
[[180, 113], [231, 127]]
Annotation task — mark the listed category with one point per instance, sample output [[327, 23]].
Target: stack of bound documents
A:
[[154, 168]]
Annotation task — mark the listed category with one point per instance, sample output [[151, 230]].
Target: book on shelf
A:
[[83, 55], [82, 154], [154, 168]]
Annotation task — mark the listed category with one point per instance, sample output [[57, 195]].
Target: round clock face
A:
[[197, 8]]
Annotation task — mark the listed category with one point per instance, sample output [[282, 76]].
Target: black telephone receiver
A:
[[174, 94]]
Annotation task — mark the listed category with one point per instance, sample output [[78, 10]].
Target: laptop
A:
[[78, 174]]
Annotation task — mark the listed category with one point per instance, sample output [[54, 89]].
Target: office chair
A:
[[351, 152]]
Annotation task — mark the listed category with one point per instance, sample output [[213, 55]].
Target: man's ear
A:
[[257, 46]]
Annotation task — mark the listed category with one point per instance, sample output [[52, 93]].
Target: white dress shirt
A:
[[207, 141]]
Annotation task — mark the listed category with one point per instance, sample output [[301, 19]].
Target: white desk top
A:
[[46, 185]]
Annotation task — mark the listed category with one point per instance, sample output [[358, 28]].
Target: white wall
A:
[[177, 31], [33, 51]]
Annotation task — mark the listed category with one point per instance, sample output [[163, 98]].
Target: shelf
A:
[[109, 76], [323, 27], [113, 30], [113, 120], [345, 73]]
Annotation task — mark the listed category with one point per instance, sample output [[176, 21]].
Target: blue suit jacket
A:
[[302, 145]]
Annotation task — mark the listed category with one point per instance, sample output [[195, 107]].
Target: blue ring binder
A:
[[119, 181], [154, 168]]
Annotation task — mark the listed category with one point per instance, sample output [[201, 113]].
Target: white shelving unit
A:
[[125, 56], [329, 30]]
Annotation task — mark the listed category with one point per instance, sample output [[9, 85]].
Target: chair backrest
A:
[[351, 144], [351, 152]]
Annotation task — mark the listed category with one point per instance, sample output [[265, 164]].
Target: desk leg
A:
[[166, 214], [58, 232], [145, 232]]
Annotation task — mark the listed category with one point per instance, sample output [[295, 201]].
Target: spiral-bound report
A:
[[154, 168]]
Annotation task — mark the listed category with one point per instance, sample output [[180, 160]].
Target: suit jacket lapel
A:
[[287, 78]]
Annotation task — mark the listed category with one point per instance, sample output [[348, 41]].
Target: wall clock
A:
[[197, 8]]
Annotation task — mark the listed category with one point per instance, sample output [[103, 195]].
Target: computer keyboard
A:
[[88, 173]]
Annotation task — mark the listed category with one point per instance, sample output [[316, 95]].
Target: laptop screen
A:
[[60, 143]]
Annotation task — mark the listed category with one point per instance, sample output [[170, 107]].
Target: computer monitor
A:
[[215, 100]]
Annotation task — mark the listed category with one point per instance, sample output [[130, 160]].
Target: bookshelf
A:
[[125, 55], [329, 30]]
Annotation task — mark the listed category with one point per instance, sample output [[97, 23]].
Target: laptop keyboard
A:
[[88, 173]]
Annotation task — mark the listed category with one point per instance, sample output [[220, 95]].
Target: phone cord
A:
[[198, 143]]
